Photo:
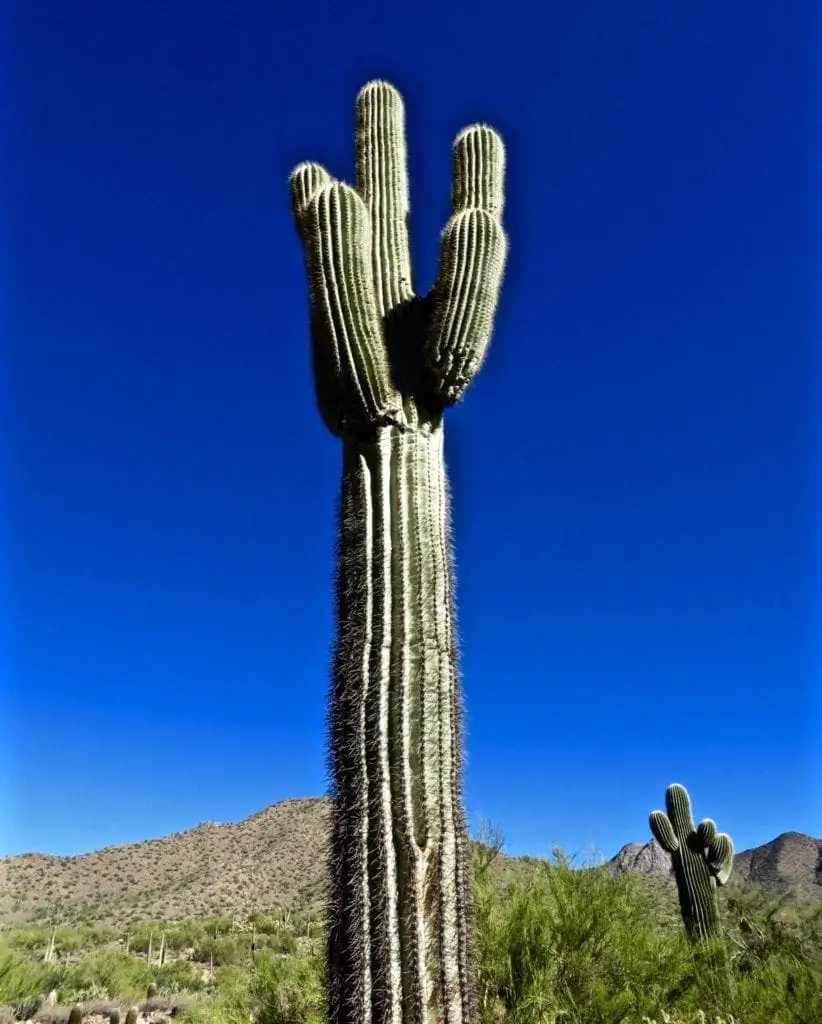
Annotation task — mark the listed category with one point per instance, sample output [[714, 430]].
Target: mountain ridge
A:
[[277, 857]]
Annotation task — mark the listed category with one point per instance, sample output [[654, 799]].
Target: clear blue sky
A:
[[633, 469]]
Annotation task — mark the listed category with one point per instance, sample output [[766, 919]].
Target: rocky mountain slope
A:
[[277, 857], [791, 864]]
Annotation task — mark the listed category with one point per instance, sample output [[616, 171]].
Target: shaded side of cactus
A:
[[75, 1015], [702, 859], [386, 365], [114, 1015]]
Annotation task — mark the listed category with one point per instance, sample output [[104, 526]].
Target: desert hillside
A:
[[277, 857]]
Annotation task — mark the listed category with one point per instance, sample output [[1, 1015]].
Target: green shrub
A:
[[178, 976], [19, 978], [287, 991], [106, 973], [225, 949]]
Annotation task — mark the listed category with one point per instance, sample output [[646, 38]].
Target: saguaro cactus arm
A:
[[702, 858], [472, 260], [359, 268]]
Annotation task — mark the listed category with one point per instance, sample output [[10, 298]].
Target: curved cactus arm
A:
[[663, 831], [382, 181], [721, 857], [347, 333], [473, 250], [705, 833], [304, 182]]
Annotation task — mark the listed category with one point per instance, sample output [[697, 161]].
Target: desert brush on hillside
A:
[[553, 944]]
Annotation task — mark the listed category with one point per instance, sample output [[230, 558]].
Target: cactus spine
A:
[[386, 365], [702, 859]]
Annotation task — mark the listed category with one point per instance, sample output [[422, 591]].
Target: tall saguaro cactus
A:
[[702, 859], [386, 365]]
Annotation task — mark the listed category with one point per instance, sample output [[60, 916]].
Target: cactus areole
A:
[[702, 859], [386, 365]]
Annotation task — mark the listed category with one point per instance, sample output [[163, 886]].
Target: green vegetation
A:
[[555, 945]]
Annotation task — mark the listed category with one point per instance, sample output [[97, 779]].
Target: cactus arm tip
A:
[[473, 256], [721, 857], [663, 831]]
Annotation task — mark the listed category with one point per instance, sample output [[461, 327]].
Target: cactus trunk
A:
[[401, 937]]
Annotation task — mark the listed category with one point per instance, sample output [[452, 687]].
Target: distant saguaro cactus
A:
[[386, 365], [702, 859], [151, 991]]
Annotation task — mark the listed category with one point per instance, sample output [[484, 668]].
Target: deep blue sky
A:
[[632, 470]]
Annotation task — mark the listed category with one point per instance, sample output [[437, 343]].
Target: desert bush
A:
[[276, 991], [20, 979], [282, 942], [225, 949], [30, 940], [287, 991], [177, 976], [106, 973]]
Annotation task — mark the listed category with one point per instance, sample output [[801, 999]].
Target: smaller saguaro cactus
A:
[[702, 859], [114, 1015], [75, 1015], [152, 990], [131, 1016]]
